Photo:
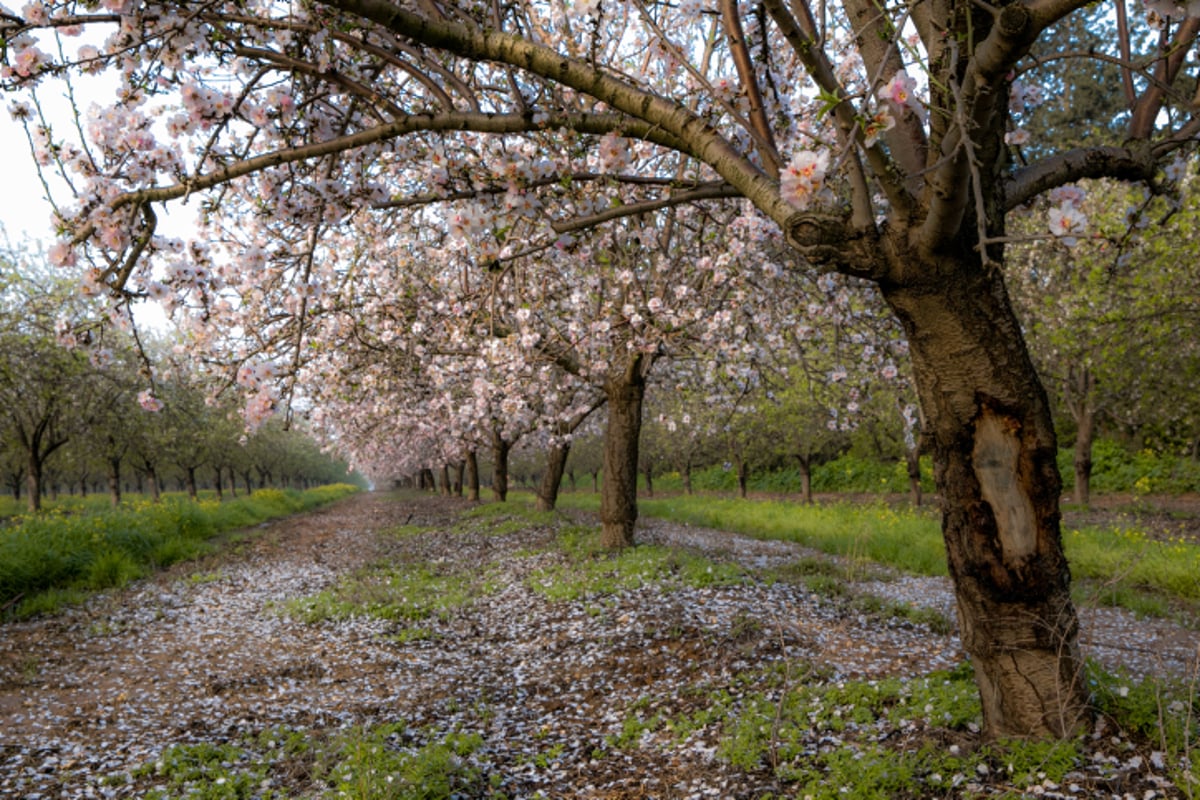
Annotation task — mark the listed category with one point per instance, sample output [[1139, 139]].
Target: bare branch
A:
[[646, 206]]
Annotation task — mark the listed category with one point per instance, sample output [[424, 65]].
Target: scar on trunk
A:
[[996, 457]]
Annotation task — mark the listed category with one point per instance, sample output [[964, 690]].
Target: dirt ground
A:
[[203, 653]]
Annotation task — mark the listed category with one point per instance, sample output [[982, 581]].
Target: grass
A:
[[59, 555], [382, 762], [1114, 566]]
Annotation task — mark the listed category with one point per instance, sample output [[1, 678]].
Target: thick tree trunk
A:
[[460, 469], [618, 502], [500, 468], [556, 464], [994, 448], [805, 477], [472, 477]]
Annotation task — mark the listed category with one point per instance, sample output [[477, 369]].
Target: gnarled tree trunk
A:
[[618, 501], [993, 444]]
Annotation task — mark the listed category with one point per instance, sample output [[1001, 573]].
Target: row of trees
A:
[[76, 413], [415, 211]]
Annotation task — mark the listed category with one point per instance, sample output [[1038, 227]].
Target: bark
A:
[[618, 502], [596, 482], [500, 468], [114, 480], [472, 477], [686, 472], [445, 489], [556, 463], [805, 477], [912, 459], [743, 477], [648, 472], [1079, 400], [152, 478], [33, 482], [218, 484], [993, 444], [460, 469], [233, 483], [190, 481]]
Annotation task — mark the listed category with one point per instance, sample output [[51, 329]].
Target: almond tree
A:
[[873, 137]]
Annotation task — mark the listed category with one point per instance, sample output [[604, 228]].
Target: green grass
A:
[[400, 593], [57, 555], [381, 762], [590, 570], [1118, 566]]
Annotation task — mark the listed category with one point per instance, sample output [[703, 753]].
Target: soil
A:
[[204, 653]]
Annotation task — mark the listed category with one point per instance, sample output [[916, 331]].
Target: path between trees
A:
[[204, 654]]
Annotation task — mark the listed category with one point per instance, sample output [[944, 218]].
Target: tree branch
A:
[[1137, 162], [646, 206]]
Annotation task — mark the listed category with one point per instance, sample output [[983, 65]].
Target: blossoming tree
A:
[[878, 138]]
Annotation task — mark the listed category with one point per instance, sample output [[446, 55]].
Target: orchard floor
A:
[[203, 653]]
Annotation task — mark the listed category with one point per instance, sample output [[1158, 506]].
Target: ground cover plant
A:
[[60, 554], [1116, 564], [497, 652]]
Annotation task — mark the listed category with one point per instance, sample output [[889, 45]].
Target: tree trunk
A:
[[114, 481], [648, 473], [445, 489], [805, 477], [912, 459], [743, 477], [233, 483], [190, 481], [218, 484], [595, 481], [499, 468], [1079, 400], [556, 463], [33, 482], [472, 477], [618, 502], [686, 472], [994, 448], [460, 469], [152, 478]]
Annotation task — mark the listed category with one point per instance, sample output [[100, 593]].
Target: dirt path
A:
[[205, 655]]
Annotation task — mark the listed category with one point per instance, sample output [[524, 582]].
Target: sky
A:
[[24, 209]]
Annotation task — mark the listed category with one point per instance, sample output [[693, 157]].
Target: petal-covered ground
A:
[[563, 689]]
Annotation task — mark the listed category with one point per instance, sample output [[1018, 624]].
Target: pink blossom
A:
[[804, 177], [149, 402], [1067, 223]]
